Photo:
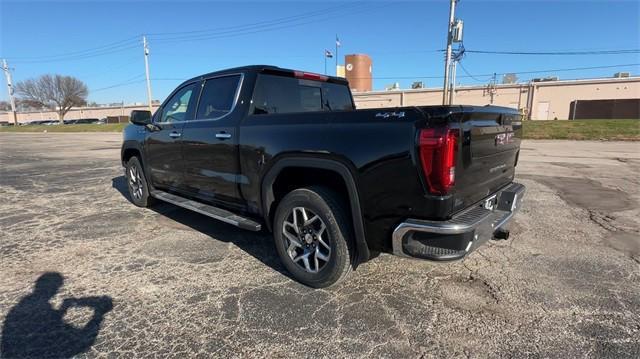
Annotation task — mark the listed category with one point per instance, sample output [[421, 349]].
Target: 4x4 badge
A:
[[390, 114]]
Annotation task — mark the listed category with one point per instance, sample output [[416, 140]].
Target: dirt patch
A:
[[628, 243], [570, 165], [473, 295], [586, 193], [601, 202]]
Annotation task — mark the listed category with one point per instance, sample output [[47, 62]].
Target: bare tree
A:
[[56, 92], [5, 106]]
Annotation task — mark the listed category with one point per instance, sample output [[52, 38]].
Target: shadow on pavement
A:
[[257, 244], [34, 329]]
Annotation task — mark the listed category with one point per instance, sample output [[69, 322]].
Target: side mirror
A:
[[140, 117]]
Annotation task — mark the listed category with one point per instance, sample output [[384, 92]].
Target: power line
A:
[[81, 52], [464, 69], [82, 57], [126, 82], [260, 29], [111, 69], [78, 55], [260, 23], [196, 35], [520, 72], [557, 53], [569, 69]]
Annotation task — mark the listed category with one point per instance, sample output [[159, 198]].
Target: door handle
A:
[[223, 135], [175, 134]]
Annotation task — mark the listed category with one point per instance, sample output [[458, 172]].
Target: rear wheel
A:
[[137, 184], [312, 233]]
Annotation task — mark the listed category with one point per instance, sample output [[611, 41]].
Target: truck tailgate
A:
[[489, 152]]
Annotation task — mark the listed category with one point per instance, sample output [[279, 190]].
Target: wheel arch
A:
[[129, 150], [270, 200]]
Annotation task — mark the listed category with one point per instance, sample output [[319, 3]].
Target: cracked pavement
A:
[[566, 284]]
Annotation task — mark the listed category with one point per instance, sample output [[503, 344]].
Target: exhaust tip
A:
[[501, 235]]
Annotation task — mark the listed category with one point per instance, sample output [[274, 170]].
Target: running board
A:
[[209, 211]]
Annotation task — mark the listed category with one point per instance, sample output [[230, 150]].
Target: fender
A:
[[321, 163], [132, 145]]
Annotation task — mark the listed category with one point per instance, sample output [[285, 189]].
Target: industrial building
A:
[[75, 113], [545, 100]]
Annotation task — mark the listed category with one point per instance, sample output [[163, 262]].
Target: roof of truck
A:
[[255, 68]]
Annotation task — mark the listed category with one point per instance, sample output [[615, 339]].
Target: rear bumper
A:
[[459, 236]]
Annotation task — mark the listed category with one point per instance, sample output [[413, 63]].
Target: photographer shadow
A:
[[34, 329]]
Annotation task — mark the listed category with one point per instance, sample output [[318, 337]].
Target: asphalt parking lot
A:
[[114, 279]]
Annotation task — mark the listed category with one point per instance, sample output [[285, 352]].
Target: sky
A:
[[100, 42]]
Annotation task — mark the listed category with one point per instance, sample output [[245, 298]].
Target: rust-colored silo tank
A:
[[358, 72]]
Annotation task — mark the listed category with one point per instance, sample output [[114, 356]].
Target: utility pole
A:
[[146, 69], [338, 44], [492, 88], [7, 75], [455, 58], [447, 62], [452, 91]]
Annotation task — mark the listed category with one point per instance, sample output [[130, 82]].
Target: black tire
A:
[[332, 212], [137, 184]]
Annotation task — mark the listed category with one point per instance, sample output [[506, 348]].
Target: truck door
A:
[[164, 154], [210, 143]]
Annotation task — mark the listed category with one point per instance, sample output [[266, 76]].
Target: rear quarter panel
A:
[[378, 152]]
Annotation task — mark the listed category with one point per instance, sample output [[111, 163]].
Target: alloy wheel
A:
[[306, 239], [135, 182]]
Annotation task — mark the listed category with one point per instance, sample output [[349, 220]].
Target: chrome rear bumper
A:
[[466, 231]]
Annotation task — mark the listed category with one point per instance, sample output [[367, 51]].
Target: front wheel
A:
[[137, 184], [313, 236]]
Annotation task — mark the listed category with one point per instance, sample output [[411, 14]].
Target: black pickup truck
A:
[[261, 147]]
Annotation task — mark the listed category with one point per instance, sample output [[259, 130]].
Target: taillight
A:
[[310, 76], [438, 152]]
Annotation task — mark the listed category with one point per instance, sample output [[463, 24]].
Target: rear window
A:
[[279, 94], [337, 97]]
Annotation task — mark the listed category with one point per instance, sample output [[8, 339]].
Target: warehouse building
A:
[[544, 100]]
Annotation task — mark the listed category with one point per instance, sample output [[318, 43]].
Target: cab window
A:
[[179, 106], [218, 96]]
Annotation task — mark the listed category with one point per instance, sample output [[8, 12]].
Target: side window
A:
[[218, 96], [279, 94], [179, 105]]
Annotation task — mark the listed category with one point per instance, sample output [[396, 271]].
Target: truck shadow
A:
[[257, 244], [33, 328]]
